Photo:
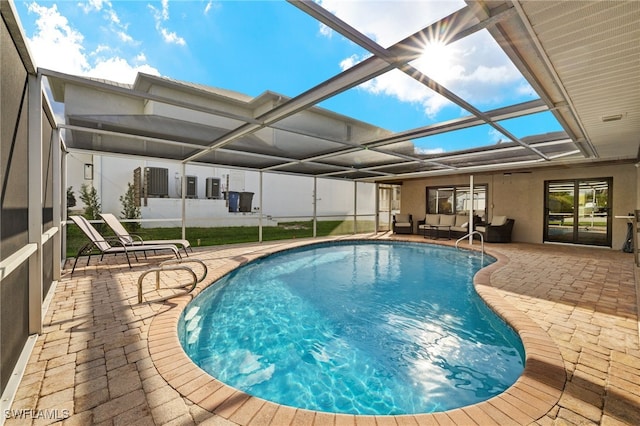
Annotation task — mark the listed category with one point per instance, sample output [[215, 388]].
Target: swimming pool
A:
[[359, 328]]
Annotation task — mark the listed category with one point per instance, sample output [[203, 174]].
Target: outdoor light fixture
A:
[[88, 171], [615, 117]]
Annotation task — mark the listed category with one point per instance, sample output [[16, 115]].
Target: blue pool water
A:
[[358, 328]]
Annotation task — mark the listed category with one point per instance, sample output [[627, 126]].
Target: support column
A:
[[315, 208], [183, 194], [377, 207], [260, 217], [58, 202], [35, 202], [355, 207], [471, 210]]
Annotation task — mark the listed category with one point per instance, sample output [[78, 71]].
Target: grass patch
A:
[[230, 234]]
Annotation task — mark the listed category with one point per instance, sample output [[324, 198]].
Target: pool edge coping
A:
[[531, 397]]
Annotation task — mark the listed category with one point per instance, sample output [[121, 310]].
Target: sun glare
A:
[[436, 61]]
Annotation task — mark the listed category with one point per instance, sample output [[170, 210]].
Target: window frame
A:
[[455, 189]]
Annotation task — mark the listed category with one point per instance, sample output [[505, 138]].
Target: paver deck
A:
[[105, 359]]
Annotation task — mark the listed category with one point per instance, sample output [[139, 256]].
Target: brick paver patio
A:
[[105, 359]]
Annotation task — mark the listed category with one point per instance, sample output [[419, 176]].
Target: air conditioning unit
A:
[[213, 188], [192, 187], [157, 181]]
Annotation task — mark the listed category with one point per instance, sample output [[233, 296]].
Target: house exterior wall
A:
[[521, 196], [286, 197]]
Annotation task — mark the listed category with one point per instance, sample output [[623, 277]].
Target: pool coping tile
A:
[[542, 380]]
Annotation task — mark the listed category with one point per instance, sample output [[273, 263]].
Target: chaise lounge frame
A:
[[104, 246], [135, 240]]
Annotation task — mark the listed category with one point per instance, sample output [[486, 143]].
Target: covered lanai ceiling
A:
[[581, 57]]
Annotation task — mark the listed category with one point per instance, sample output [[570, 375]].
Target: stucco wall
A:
[[521, 196], [285, 196]]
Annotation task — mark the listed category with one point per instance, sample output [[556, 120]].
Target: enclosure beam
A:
[[35, 202]]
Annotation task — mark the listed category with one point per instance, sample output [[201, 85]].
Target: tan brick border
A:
[[533, 395]]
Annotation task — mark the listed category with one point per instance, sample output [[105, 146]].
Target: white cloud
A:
[[496, 137], [113, 16], [162, 16], [171, 37], [208, 7], [429, 151], [474, 68], [93, 5], [165, 10], [54, 39], [115, 66], [325, 30], [56, 45]]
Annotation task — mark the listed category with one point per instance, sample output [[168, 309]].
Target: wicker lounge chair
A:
[[133, 239], [402, 224], [498, 230], [103, 246]]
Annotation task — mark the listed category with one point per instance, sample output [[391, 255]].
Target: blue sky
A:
[[254, 46]]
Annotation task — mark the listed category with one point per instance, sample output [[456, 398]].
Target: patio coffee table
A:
[[435, 229]]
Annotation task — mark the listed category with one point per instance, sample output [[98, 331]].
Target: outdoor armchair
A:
[[104, 246], [402, 224], [498, 231], [133, 239]]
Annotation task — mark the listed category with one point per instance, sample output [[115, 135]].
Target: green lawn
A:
[[229, 235]]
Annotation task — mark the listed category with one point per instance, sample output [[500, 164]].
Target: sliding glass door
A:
[[578, 211]]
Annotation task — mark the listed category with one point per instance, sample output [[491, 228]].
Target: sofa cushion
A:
[[447, 219], [402, 218], [432, 219], [498, 220], [462, 221]]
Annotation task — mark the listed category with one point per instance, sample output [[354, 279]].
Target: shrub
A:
[[89, 197], [130, 210]]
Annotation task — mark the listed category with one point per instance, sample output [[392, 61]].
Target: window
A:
[[456, 199]]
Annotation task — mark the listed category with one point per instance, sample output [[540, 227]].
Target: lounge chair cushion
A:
[[462, 220], [498, 220], [402, 219]]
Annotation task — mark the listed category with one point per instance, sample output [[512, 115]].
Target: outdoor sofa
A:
[[450, 225]]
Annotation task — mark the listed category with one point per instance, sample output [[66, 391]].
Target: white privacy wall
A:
[[286, 197]]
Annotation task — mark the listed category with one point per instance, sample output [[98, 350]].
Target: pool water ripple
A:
[[359, 328]]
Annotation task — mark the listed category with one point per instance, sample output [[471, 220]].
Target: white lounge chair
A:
[[133, 239], [98, 242]]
